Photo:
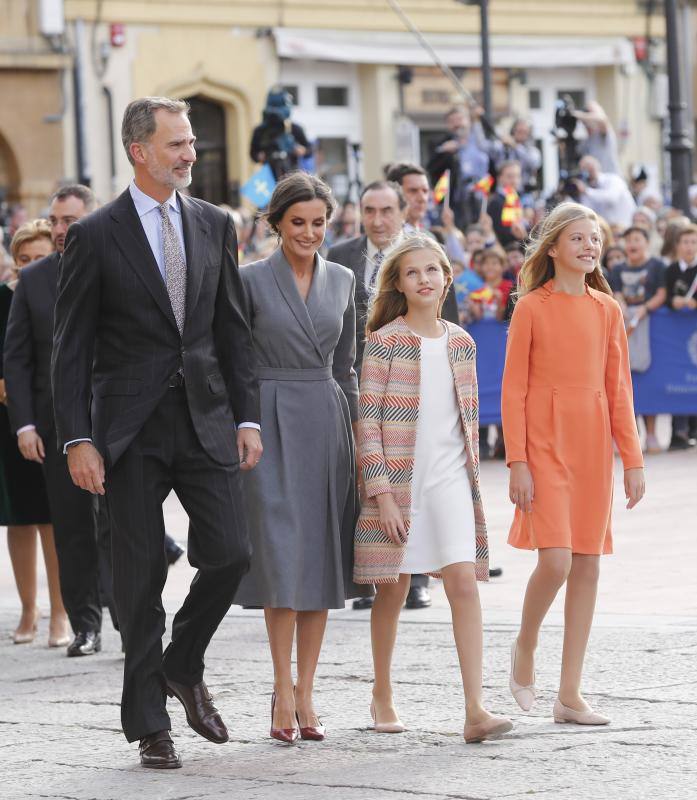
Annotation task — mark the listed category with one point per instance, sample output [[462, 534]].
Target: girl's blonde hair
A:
[[388, 302], [538, 267]]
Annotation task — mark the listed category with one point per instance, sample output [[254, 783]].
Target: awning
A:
[[375, 47]]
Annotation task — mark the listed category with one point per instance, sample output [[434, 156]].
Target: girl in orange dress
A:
[[567, 393]]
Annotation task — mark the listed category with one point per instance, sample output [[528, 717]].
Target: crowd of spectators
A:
[[487, 199]]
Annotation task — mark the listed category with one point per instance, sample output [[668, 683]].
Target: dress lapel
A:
[[318, 288], [283, 276], [195, 230], [133, 243]]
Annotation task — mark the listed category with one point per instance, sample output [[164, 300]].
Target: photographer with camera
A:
[[602, 140], [465, 151], [278, 141]]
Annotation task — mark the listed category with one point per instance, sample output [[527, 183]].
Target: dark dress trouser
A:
[[74, 531], [165, 455]]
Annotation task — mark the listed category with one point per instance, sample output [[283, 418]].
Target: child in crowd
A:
[[681, 293], [491, 301], [418, 451], [464, 280], [515, 256], [639, 288], [614, 255], [567, 393]]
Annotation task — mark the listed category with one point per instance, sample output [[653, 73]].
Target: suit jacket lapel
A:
[[283, 276], [194, 226], [133, 243]]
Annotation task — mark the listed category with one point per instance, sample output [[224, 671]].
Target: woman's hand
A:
[[3, 392], [634, 485], [521, 489], [391, 519]]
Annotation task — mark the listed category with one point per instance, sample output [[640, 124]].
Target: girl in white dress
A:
[[440, 535]]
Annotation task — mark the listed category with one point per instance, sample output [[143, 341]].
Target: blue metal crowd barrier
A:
[[669, 386]]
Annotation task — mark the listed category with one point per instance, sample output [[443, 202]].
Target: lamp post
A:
[[484, 44], [679, 143]]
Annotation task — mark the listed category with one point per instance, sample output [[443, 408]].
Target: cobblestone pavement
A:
[[59, 717]]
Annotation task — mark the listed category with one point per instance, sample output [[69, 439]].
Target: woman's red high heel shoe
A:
[[286, 735], [313, 733]]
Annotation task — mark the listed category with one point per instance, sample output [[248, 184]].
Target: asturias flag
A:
[[259, 187]]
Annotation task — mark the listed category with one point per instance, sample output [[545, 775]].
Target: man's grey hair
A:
[[139, 119], [78, 190]]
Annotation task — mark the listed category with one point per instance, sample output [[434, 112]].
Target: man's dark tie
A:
[[378, 258]]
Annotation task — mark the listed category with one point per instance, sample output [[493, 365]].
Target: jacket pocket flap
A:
[[118, 386], [216, 383]]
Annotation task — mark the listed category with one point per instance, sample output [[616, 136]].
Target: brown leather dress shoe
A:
[[201, 714], [157, 751]]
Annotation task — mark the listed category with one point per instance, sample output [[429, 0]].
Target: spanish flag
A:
[[484, 185], [485, 294], [442, 188], [512, 210]]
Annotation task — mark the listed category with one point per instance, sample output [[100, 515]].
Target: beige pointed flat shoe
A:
[[564, 714], [493, 728], [523, 695], [386, 727]]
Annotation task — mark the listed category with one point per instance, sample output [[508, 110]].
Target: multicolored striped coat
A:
[[389, 411]]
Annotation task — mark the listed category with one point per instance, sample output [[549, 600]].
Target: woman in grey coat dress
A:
[[302, 496]]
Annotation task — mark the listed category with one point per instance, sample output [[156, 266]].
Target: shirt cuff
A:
[[25, 428], [252, 425], [73, 441]]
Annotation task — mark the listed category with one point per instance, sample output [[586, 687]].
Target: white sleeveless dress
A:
[[442, 516]]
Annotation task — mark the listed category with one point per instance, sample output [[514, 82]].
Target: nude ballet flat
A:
[[564, 714], [60, 641], [523, 695], [27, 638], [385, 727], [491, 729]]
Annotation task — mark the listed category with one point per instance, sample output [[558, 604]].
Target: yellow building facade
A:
[[367, 92], [32, 141]]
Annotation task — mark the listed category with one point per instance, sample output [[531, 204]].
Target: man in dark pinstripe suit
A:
[[153, 370]]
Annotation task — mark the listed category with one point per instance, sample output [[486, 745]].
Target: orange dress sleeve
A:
[[514, 389], [620, 397]]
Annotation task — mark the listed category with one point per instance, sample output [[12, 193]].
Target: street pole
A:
[[679, 144], [486, 64]]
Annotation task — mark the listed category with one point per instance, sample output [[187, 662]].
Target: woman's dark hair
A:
[[297, 187]]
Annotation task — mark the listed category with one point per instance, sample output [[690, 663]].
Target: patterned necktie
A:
[[378, 258], [175, 267]]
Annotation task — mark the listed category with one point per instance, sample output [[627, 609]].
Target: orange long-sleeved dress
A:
[[567, 393]]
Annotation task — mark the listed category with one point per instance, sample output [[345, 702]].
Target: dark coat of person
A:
[[28, 346], [27, 364], [112, 291]]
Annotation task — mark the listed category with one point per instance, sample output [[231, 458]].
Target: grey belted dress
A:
[[301, 498]]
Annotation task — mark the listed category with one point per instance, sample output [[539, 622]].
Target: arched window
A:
[[210, 171]]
